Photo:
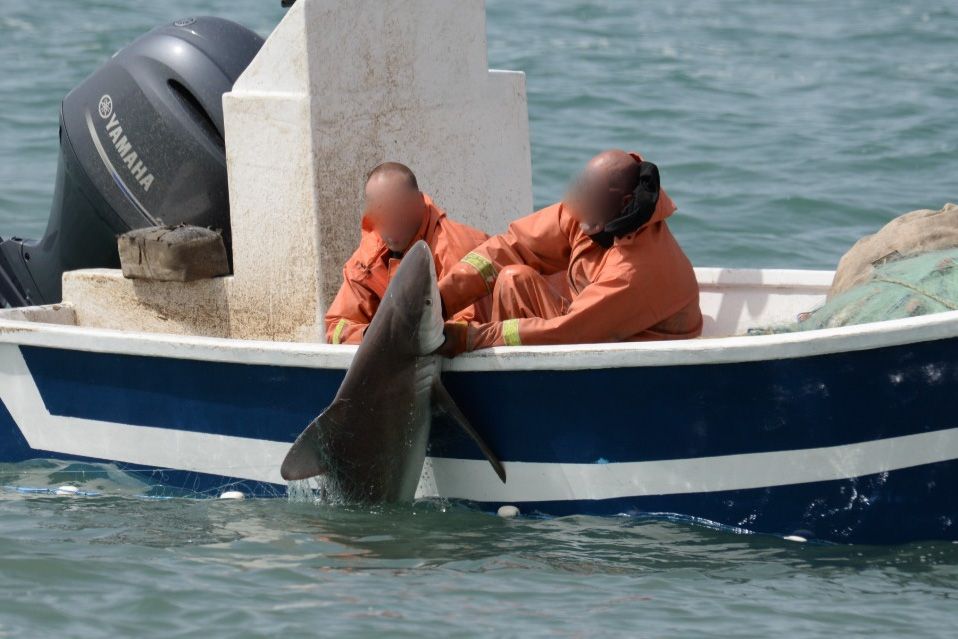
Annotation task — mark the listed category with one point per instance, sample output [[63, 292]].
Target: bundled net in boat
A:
[[908, 235], [908, 287]]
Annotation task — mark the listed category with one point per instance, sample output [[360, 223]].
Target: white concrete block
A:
[[273, 218], [339, 87]]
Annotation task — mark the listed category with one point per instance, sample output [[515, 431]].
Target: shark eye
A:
[[428, 302]]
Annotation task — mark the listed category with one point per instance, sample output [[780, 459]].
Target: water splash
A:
[[308, 491]]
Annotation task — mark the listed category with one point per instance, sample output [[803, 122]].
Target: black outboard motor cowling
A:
[[141, 143]]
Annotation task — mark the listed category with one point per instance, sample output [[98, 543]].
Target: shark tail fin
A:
[[304, 457], [444, 402]]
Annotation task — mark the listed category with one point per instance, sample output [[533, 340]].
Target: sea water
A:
[[783, 130]]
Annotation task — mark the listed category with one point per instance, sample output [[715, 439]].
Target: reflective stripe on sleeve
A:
[[338, 331], [510, 332], [484, 266]]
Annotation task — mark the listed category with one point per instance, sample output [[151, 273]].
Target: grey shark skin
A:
[[371, 441]]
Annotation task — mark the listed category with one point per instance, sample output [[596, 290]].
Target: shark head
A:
[[412, 307]]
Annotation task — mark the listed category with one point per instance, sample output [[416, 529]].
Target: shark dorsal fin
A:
[[443, 401]]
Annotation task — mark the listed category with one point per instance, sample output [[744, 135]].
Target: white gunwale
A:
[[712, 350]]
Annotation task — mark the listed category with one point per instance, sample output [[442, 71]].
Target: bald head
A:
[[392, 174], [394, 204], [603, 189], [616, 168]]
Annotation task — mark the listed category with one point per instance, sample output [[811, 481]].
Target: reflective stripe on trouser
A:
[[338, 331]]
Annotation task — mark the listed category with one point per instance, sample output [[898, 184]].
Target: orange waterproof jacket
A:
[[368, 271], [641, 288]]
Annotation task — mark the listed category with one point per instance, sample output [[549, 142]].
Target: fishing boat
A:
[[843, 434]]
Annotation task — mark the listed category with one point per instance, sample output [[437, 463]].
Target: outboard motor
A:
[[141, 143]]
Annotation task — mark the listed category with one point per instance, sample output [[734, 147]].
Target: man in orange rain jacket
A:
[[397, 215], [626, 278]]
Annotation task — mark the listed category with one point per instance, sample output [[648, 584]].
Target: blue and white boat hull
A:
[[843, 434]]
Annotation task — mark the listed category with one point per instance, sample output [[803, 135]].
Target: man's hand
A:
[[457, 339]]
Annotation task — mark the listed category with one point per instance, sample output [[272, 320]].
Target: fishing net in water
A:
[[907, 287]]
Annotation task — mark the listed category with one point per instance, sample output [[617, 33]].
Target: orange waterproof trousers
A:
[[522, 292]]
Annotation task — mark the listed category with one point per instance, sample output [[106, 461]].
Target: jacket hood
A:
[[664, 208]]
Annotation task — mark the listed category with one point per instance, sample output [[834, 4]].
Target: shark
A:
[[370, 443]]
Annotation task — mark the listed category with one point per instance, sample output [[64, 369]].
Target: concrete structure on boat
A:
[[337, 88]]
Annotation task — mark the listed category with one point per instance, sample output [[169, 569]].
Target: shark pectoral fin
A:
[[303, 459], [443, 401]]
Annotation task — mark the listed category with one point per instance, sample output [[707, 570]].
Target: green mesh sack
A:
[[908, 287]]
